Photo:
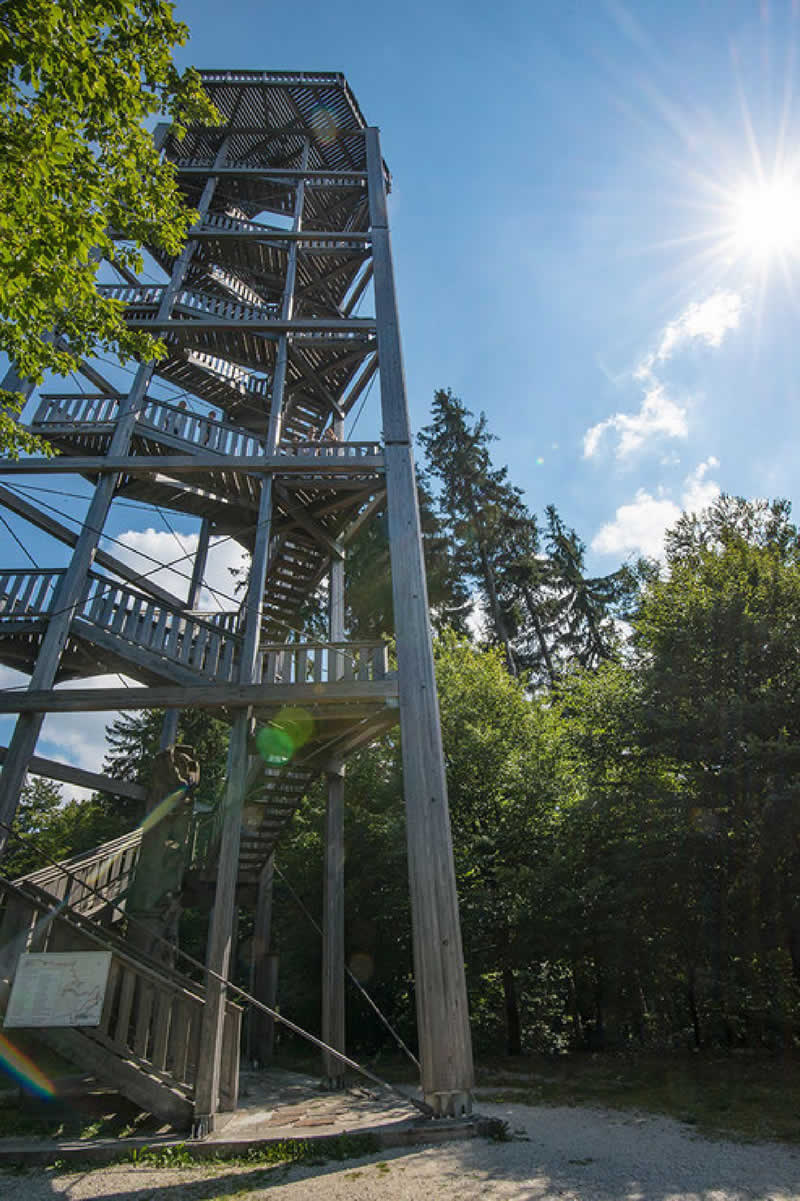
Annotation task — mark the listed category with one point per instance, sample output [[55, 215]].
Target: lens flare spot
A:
[[274, 745], [324, 125], [286, 734], [540, 461], [298, 724], [362, 966], [163, 808], [24, 1070]]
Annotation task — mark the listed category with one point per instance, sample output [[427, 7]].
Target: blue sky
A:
[[579, 248], [564, 174]]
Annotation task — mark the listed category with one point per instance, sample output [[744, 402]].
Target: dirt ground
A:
[[557, 1154]]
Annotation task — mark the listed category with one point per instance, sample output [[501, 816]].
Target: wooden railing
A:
[[107, 870], [207, 645], [323, 662], [27, 593], [150, 1018], [204, 433], [143, 298], [231, 373], [76, 410], [227, 224], [325, 449]]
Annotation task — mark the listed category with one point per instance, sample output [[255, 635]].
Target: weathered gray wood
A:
[[333, 1011], [144, 1013], [279, 174], [307, 523], [207, 1089], [126, 994], [204, 696], [161, 1025], [229, 1069], [169, 727], [442, 1014], [68, 774], [207, 1084], [194, 464], [261, 1028], [91, 1055], [141, 660], [283, 235]]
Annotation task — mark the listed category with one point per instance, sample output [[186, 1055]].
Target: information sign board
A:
[[59, 988]]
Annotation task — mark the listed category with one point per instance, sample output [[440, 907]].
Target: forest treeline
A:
[[623, 761]]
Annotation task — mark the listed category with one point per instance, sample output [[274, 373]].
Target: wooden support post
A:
[[169, 727], [441, 995], [263, 971], [220, 934], [287, 310], [333, 1012], [218, 955], [333, 993]]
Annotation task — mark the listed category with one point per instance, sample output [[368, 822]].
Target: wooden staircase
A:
[[115, 628], [147, 1044]]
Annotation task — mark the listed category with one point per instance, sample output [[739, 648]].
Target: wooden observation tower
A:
[[258, 314]]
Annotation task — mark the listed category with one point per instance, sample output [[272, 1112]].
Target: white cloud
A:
[[140, 547], [705, 321], [699, 492], [476, 618], [658, 415], [638, 527]]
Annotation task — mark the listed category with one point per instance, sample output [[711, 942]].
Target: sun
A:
[[766, 219]]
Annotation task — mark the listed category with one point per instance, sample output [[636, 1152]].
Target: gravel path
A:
[[561, 1155]]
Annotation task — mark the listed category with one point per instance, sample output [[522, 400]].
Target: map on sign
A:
[[59, 988]]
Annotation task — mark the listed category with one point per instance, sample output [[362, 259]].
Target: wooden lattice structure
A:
[[258, 314]]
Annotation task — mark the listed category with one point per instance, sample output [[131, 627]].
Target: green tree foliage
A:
[[47, 828], [36, 831], [77, 80], [542, 607], [476, 502], [133, 741], [675, 868], [719, 646], [501, 757], [582, 608]]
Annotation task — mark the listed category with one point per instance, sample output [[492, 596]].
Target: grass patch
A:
[[291, 1151], [743, 1094]]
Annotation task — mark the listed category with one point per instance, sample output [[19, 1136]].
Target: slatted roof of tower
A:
[[289, 105]]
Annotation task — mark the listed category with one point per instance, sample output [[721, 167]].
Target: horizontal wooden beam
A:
[[202, 696], [283, 235], [67, 774], [258, 325], [279, 174], [194, 464]]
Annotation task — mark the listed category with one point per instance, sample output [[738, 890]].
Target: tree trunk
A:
[[691, 996], [540, 638], [511, 1007]]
